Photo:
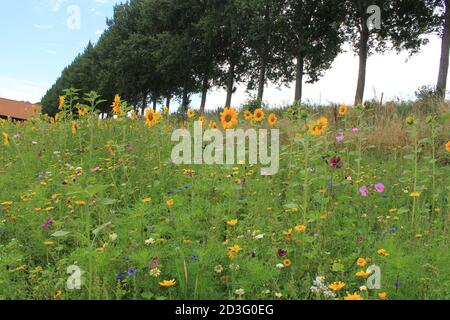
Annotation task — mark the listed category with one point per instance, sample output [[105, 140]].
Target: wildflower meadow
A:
[[95, 208]]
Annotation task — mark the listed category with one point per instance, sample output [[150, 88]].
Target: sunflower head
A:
[[229, 118], [343, 110], [272, 119], [258, 116], [61, 102], [190, 113], [151, 117], [248, 115]]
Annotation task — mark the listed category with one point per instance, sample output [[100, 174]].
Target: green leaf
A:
[[60, 234]]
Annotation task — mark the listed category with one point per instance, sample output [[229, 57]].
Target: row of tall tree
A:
[[155, 51]]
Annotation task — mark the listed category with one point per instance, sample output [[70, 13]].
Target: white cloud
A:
[[22, 90]]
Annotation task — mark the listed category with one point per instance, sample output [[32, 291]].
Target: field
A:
[[357, 187]]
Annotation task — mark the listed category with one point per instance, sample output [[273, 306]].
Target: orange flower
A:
[[342, 110], [272, 119], [300, 228], [287, 263], [447, 146], [258, 116], [354, 296], [336, 286], [229, 118], [168, 283], [170, 202], [361, 262]]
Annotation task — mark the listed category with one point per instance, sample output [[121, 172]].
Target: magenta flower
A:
[[17, 136], [340, 137], [336, 162], [48, 223], [96, 169], [355, 130], [379, 187], [364, 191]]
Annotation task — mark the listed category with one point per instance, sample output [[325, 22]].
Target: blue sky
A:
[[37, 44]]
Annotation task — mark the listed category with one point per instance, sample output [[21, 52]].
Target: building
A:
[[18, 110]]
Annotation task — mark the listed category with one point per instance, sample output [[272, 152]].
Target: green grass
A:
[[50, 168]]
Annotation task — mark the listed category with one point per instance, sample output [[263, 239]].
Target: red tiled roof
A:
[[18, 109]]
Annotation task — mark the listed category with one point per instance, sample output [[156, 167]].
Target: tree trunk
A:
[[363, 51], [185, 100], [204, 94], [168, 100], [155, 103], [445, 50], [262, 79], [144, 104], [299, 78], [230, 85]]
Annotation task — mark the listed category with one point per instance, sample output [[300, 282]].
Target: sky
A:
[[40, 37]]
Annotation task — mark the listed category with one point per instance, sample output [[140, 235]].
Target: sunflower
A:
[[258, 116], [229, 118], [61, 102], [343, 110], [202, 119], [190, 113], [213, 124], [74, 127], [82, 111], [117, 110], [315, 130], [272, 119], [447, 146], [322, 122], [151, 117], [248, 115], [5, 139]]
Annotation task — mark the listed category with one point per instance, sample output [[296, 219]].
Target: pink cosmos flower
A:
[[355, 130], [364, 191], [48, 223], [340, 137], [379, 187], [96, 169]]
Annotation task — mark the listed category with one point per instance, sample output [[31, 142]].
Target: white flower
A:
[[240, 292], [150, 241], [155, 272], [363, 288], [113, 237], [278, 295], [259, 236], [280, 266]]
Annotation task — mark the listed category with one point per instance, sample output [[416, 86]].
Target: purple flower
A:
[[48, 223], [120, 276], [393, 230], [360, 239], [282, 253], [131, 272], [17, 136], [154, 263], [96, 169], [336, 162], [364, 191], [340, 137], [355, 130], [379, 187]]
